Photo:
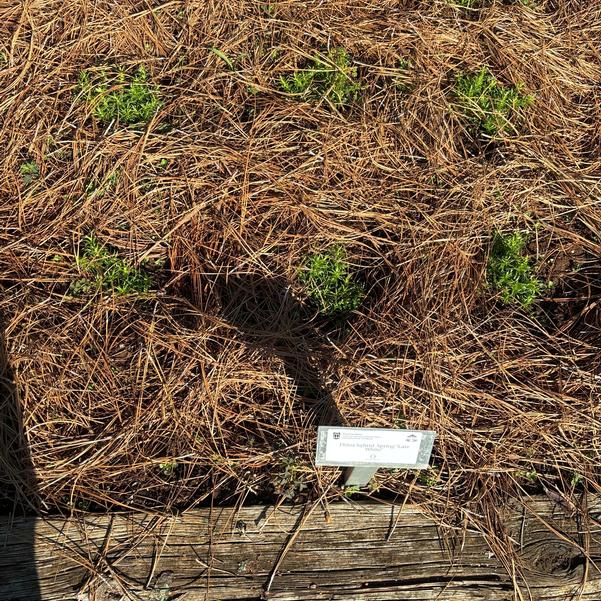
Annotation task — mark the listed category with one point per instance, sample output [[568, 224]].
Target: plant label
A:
[[374, 447]]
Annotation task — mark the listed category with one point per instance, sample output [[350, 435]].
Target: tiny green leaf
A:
[[224, 57]]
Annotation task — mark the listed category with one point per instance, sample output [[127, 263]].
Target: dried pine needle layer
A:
[[223, 223]]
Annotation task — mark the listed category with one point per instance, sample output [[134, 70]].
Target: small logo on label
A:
[[336, 435], [412, 438]]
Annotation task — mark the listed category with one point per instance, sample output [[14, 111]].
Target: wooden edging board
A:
[[352, 551]]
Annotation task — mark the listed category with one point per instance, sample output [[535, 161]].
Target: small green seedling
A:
[[332, 78], [530, 475], [290, 482], [29, 172], [490, 107], [373, 486], [349, 491], [76, 502], [224, 57], [159, 262], [427, 478], [121, 96], [510, 272], [329, 283], [269, 9], [104, 270], [168, 468], [576, 479], [402, 81]]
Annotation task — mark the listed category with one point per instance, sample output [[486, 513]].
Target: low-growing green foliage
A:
[[427, 478], [290, 482], [576, 479], [128, 98], [333, 79], [488, 105], [329, 283], [168, 468], [103, 269], [349, 491], [510, 272], [402, 81], [29, 172], [530, 475], [269, 9]]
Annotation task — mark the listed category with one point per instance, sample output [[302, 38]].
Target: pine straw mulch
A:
[[171, 399]]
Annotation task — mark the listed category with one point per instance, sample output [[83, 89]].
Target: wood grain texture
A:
[[353, 554]]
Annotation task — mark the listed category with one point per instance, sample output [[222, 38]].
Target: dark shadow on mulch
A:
[[17, 494], [268, 317]]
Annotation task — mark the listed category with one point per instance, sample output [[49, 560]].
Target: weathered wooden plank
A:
[[355, 554]]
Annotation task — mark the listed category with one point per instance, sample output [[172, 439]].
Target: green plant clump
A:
[[510, 272], [329, 282], [349, 491], [530, 475], [128, 98], [290, 482], [489, 105], [168, 468], [332, 78], [29, 172], [103, 269]]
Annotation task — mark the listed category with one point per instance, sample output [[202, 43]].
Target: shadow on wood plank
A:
[[17, 490]]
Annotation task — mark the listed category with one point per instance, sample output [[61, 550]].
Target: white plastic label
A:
[[348, 446]]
